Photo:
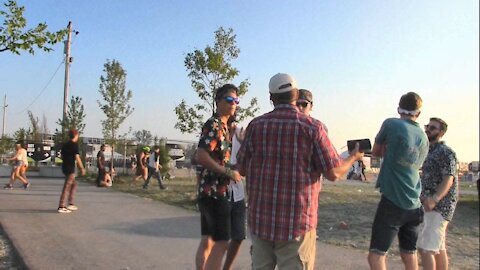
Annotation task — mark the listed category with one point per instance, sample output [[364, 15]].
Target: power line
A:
[[44, 88]]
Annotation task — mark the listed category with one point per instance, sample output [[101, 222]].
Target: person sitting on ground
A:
[[107, 179]]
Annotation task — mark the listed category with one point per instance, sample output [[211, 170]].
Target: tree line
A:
[[207, 70]]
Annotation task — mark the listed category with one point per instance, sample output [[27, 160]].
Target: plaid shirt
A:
[[283, 153], [215, 139]]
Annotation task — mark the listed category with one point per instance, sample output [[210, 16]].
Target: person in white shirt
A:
[[238, 212], [19, 161], [154, 168]]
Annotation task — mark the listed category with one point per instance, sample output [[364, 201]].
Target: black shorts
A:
[[238, 220], [390, 221], [215, 218]]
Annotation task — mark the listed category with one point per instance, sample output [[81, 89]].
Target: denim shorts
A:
[[390, 221], [215, 217], [17, 163]]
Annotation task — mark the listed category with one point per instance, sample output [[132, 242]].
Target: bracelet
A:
[[435, 198], [229, 173]]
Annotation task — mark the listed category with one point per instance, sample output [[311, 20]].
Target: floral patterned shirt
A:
[[215, 139], [441, 161]]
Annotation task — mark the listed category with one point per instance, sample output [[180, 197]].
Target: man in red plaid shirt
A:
[[283, 154]]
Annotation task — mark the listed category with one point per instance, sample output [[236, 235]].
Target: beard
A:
[[433, 138]]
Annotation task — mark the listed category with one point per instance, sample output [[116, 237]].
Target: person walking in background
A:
[[133, 162], [283, 154], [142, 164], [439, 196], [70, 157], [154, 168], [19, 163], [404, 146], [213, 155], [101, 165], [362, 167]]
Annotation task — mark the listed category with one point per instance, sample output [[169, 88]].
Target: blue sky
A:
[[357, 57]]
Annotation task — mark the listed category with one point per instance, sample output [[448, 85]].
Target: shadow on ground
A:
[[167, 227]]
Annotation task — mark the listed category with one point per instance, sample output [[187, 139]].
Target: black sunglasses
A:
[[231, 100], [431, 128], [303, 104]]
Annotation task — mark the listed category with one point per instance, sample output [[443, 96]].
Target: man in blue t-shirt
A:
[[404, 146]]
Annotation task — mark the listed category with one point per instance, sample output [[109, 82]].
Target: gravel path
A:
[[7, 256]]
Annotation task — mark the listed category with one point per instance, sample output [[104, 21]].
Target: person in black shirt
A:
[[70, 155], [101, 165]]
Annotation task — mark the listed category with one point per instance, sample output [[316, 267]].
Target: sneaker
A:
[[63, 210], [27, 185], [8, 186], [72, 207], [164, 188], [145, 187]]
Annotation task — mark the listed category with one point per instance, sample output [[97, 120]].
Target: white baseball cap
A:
[[282, 83]]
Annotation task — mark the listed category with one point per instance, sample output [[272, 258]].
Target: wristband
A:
[[229, 173], [435, 198]]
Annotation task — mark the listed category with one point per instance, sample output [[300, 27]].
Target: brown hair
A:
[[411, 101], [227, 88], [443, 124], [284, 98]]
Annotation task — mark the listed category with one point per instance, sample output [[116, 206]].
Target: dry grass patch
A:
[[356, 203]]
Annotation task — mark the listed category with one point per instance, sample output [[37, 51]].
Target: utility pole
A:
[[4, 115], [68, 60]]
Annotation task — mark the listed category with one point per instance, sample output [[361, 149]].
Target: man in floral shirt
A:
[[439, 196], [213, 155]]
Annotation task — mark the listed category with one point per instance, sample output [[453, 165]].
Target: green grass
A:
[[181, 191]]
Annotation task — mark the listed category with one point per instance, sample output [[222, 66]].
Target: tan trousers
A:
[[286, 255]]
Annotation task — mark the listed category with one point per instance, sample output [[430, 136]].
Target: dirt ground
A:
[[354, 203]]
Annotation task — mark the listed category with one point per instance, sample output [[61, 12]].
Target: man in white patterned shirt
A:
[[439, 196]]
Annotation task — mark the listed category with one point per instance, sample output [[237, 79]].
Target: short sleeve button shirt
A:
[[216, 141], [281, 152], [441, 161]]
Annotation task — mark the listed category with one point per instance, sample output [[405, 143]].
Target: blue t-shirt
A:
[[406, 147]]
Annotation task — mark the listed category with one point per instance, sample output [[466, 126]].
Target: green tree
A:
[[164, 160], [22, 134], [15, 38], [208, 70], [116, 98], [35, 132], [75, 118], [143, 137], [7, 145]]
